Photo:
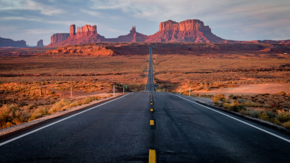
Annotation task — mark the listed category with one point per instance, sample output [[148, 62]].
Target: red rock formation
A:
[[86, 31], [133, 36], [5, 42], [191, 30], [84, 49], [57, 38], [40, 43], [85, 34], [72, 30]]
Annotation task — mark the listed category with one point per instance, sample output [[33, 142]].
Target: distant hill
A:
[[5, 42]]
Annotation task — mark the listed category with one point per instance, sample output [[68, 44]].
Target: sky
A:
[[32, 20]]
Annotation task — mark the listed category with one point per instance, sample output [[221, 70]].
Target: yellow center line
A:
[[151, 109], [152, 156], [152, 122]]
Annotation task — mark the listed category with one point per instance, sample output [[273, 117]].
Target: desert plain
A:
[[33, 78]]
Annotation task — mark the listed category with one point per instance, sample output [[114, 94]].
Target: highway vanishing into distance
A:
[[122, 130]]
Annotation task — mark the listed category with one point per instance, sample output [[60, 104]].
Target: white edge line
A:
[[21, 136], [258, 128]]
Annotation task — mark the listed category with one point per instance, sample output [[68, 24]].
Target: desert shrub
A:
[[271, 114], [236, 107], [61, 105], [221, 97], [218, 104], [74, 104], [251, 104], [226, 105], [276, 121], [7, 112], [11, 114], [28, 107], [253, 113], [283, 117], [39, 112], [244, 112], [90, 99], [204, 95], [21, 116], [268, 116], [286, 125], [8, 124], [282, 93], [264, 116], [215, 99]]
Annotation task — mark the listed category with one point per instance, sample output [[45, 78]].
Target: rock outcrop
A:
[[86, 30], [85, 34], [57, 38], [5, 42], [72, 30], [133, 36], [84, 49], [40, 43], [191, 30]]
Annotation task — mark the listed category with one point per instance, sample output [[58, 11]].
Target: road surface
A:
[[150, 82], [119, 131]]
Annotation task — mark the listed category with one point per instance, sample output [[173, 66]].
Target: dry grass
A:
[[274, 108], [11, 114]]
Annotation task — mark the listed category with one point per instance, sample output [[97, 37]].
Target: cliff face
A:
[[86, 30], [186, 31], [57, 38], [187, 25], [5, 42], [72, 30]]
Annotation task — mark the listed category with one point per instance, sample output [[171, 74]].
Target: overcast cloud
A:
[[32, 20]]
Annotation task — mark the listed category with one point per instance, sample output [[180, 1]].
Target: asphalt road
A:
[[119, 131], [150, 82]]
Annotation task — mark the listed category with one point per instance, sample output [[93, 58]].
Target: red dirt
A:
[[249, 89]]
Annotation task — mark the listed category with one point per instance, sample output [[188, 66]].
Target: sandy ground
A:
[[208, 101], [249, 89]]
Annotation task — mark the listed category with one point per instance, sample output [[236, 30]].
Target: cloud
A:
[[229, 19], [93, 13], [40, 31], [20, 18], [30, 5], [209, 10]]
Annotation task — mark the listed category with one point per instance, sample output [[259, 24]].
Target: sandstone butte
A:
[[40, 44], [169, 31], [191, 30]]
